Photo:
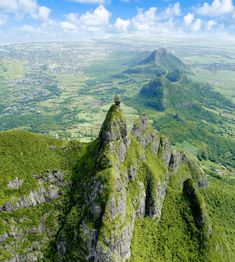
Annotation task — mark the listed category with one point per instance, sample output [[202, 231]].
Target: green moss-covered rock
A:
[[123, 197]]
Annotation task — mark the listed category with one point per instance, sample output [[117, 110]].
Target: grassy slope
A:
[[175, 238], [210, 131], [195, 114], [171, 239], [220, 200], [24, 155]]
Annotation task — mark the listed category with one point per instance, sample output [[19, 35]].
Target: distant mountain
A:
[[192, 108], [160, 62], [147, 70], [188, 112], [161, 57]]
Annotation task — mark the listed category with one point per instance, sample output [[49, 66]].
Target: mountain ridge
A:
[[97, 199], [107, 242], [119, 178], [174, 99]]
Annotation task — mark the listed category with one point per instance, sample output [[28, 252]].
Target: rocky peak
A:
[[112, 137], [129, 181], [164, 59], [155, 56], [114, 127], [158, 53]]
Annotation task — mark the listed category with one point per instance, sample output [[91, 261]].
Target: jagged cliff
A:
[[123, 197], [128, 180]]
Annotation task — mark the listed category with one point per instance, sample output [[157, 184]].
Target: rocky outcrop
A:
[[117, 180], [15, 184], [18, 228], [113, 136], [124, 186], [48, 189]]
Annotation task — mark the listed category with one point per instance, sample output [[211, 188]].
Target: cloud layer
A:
[[22, 8], [213, 16], [216, 8]]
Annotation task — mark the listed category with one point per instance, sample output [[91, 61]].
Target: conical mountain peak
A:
[[114, 126], [161, 57]]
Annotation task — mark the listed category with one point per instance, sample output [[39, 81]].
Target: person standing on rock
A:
[[117, 101]]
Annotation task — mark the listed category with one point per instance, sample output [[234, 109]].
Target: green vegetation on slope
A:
[[175, 237], [164, 59], [192, 112], [88, 212], [11, 69], [25, 155], [220, 201], [203, 126], [31, 159]]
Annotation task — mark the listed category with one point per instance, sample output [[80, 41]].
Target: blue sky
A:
[[29, 20]]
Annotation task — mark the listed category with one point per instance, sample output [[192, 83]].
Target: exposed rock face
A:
[[38, 196], [15, 184], [118, 179], [144, 138], [113, 134], [50, 185], [133, 190]]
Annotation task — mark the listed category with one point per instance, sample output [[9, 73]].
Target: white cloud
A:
[[121, 25], [152, 21], [171, 11], [24, 7], [197, 25], [50, 29], [94, 21], [188, 19], [210, 25], [97, 23], [67, 26], [144, 21], [42, 13], [3, 19], [216, 8], [8, 6], [99, 17], [27, 29], [72, 18], [27, 6], [89, 1]]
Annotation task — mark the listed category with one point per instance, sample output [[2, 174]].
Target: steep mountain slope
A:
[[159, 62], [194, 108], [161, 57], [123, 197], [35, 174], [128, 181], [153, 94]]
